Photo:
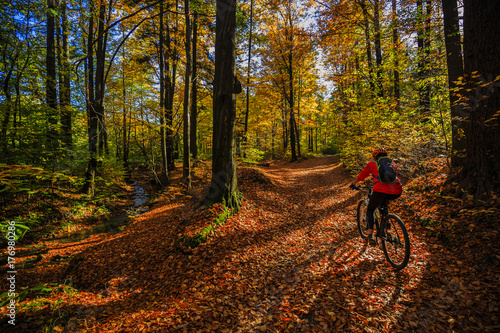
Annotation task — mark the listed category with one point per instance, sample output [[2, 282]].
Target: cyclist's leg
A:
[[387, 199], [376, 199]]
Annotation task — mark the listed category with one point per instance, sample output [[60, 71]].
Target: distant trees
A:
[[286, 57], [142, 78]]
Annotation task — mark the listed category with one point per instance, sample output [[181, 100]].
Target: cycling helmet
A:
[[378, 152]]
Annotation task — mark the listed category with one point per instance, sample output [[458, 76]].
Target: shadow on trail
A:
[[299, 260]]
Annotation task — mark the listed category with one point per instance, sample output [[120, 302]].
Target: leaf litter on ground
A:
[[290, 261]]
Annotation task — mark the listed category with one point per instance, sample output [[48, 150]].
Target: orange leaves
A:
[[282, 263]]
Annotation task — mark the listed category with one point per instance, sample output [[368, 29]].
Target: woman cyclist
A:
[[381, 191]]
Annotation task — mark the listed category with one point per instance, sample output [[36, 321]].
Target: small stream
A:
[[114, 224]]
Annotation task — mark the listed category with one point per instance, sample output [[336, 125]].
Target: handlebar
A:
[[354, 187]]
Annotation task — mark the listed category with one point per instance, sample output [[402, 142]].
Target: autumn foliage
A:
[[290, 260]]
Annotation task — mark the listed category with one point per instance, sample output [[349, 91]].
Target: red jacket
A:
[[371, 168]]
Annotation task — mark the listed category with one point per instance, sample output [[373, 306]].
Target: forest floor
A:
[[290, 261]]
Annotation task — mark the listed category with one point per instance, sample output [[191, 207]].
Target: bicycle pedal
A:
[[371, 240]]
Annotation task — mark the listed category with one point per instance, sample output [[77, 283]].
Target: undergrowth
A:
[[429, 201]]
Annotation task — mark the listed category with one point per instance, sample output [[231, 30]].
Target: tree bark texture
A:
[[187, 100], [454, 61], [164, 177], [50, 83], [92, 122], [226, 86], [194, 92], [249, 55], [378, 48], [65, 86], [481, 170], [395, 45]]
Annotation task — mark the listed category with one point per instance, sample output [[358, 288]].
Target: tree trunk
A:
[[164, 177], [99, 77], [455, 71], [247, 110], [291, 105], [92, 121], [421, 63], [223, 186], [284, 120], [8, 108], [291, 92], [427, 59], [481, 170], [125, 128], [65, 83], [187, 99], [51, 92], [96, 88], [194, 99], [395, 45], [171, 71], [378, 48], [362, 4]]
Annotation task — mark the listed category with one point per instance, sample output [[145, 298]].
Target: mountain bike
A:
[[389, 228]]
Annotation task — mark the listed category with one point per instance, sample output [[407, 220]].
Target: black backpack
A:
[[386, 171]]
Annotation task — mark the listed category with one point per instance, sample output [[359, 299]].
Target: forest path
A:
[[290, 261]]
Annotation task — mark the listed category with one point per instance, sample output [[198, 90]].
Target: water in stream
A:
[[114, 224]]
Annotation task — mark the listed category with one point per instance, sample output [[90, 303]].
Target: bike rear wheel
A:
[[361, 218], [396, 242]]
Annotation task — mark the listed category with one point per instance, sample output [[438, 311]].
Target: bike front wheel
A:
[[361, 218], [396, 242]]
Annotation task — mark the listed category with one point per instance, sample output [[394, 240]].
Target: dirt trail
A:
[[290, 261]]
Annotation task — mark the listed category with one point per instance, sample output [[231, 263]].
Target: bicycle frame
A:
[[383, 209], [395, 242]]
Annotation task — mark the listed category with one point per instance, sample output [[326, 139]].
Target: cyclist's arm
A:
[[366, 171]]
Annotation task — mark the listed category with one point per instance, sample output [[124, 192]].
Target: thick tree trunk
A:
[[95, 109], [187, 100], [481, 170], [223, 186], [455, 71], [7, 109]]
